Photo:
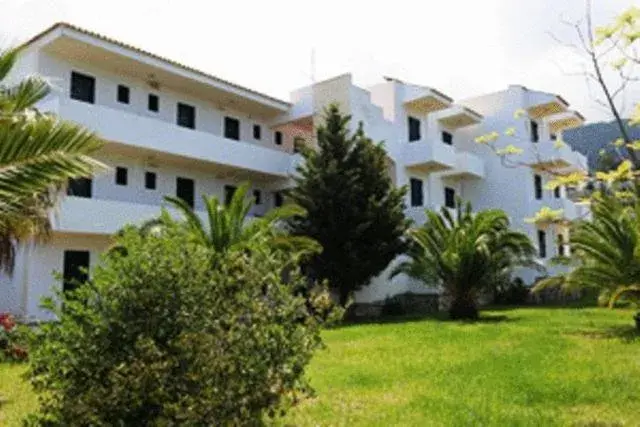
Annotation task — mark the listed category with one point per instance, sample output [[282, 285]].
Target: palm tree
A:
[[465, 254], [605, 252], [39, 153], [230, 227]]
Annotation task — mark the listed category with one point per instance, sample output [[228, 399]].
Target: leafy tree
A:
[[465, 254], [38, 154], [159, 337], [605, 253], [230, 227], [353, 209]]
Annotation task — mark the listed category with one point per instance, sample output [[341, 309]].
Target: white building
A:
[[175, 130]]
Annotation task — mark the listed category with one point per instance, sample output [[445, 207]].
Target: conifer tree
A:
[[353, 208]]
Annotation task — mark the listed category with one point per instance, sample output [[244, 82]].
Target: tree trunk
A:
[[463, 307]]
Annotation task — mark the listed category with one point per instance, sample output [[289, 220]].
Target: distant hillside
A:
[[592, 138]]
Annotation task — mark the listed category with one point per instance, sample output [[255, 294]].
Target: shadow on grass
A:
[[439, 316], [625, 333]]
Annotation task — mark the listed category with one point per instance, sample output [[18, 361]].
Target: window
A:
[[537, 181], [556, 192], [553, 137], [449, 197], [229, 191], [257, 197], [542, 244], [76, 266], [535, 135], [414, 129], [277, 137], [83, 87], [278, 200], [417, 196], [185, 189], [121, 176], [257, 132], [79, 187], [298, 143], [153, 103], [186, 116], [447, 137], [561, 251], [232, 128], [150, 180], [123, 94]]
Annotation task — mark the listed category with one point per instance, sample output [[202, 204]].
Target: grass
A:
[[16, 397], [520, 367]]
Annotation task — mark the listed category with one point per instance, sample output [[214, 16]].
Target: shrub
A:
[[393, 307], [159, 337], [11, 345], [512, 292]]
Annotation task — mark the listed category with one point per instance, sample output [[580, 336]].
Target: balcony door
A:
[[185, 189]]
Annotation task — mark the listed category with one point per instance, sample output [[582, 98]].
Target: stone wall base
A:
[[407, 304]]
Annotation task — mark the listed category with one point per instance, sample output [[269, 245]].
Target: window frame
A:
[[150, 175], [411, 136], [257, 132], [75, 76], [450, 195], [542, 244], [538, 190], [191, 123], [278, 137], [414, 183], [225, 121], [156, 98], [445, 134], [121, 176], [123, 94]]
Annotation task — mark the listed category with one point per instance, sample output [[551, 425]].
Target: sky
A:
[[461, 47]]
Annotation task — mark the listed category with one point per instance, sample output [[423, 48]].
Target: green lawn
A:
[[532, 367]]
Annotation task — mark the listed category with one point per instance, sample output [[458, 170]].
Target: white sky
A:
[[461, 47]]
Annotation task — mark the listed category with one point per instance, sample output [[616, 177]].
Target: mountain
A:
[[592, 138]]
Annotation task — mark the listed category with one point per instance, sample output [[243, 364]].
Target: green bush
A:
[[512, 292], [159, 337]]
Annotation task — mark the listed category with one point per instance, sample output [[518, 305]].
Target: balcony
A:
[[571, 211], [467, 165], [429, 156], [548, 155], [457, 117], [138, 131]]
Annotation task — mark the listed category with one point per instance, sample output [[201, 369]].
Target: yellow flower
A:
[[618, 142], [510, 131], [635, 145], [509, 150], [558, 144], [519, 113], [545, 215]]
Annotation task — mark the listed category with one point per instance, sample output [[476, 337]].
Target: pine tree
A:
[[354, 210]]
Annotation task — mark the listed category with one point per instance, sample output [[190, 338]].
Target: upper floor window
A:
[[257, 197], [83, 87], [277, 137], [447, 137], [542, 244], [449, 197], [257, 132], [229, 191], [121, 176], [417, 195], [123, 94], [414, 129], [186, 116], [232, 128], [150, 180], [556, 192], [537, 182], [535, 132], [79, 187], [153, 103]]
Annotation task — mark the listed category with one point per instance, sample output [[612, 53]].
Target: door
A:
[[185, 189], [76, 266]]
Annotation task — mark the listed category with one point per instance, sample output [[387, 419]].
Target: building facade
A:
[[173, 130]]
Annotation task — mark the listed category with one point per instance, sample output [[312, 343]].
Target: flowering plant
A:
[[10, 349]]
